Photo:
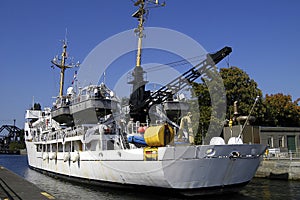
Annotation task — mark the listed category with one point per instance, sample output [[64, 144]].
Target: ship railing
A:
[[74, 131], [79, 98], [82, 98], [286, 155], [61, 102], [133, 127], [60, 134]]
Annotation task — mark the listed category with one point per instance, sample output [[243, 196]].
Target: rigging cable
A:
[[227, 61], [175, 64]]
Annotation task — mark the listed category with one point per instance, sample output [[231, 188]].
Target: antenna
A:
[[256, 99], [32, 102], [104, 76], [66, 33], [228, 62]]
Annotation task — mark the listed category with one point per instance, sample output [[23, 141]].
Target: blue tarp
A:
[[135, 139]]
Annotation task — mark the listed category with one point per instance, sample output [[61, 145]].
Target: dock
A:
[[288, 169], [14, 187]]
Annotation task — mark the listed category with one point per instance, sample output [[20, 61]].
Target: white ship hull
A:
[[188, 169]]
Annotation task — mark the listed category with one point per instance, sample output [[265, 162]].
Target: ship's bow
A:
[[208, 168]]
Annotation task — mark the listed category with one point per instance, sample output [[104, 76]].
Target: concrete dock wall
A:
[[13, 186], [279, 169]]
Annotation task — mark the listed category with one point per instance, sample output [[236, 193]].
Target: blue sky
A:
[[264, 35]]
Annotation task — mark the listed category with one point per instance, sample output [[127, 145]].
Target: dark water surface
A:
[[256, 189]]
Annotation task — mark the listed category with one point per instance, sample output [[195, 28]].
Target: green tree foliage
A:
[[273, 110], [212, 105], [241, 88], [280, 110], [202, 111], [238, 86], [16, 146], [36, 106]]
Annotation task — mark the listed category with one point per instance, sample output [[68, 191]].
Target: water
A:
[[256, 189]]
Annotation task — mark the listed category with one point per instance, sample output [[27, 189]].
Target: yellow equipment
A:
[[158, 136], [150, 153]]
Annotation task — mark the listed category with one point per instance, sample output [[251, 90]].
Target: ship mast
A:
[[138, 83], [140, 15], [61, 63], [138, 72]]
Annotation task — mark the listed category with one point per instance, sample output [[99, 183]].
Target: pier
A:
[[280, 166], [14, 187]]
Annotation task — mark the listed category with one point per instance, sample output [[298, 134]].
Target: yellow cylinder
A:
[[158, 136]]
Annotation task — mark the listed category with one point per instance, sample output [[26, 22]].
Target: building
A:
[[285, 139]]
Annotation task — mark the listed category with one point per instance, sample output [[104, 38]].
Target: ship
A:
[[89, 136]]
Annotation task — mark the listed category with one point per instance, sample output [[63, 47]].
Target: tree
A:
[[273, 110], [36, 106], [16, 146], [241, 88], [202, 106], [280, 110], [212, 106], [238, 86]]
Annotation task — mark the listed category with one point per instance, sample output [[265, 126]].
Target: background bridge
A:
[[8, 134]]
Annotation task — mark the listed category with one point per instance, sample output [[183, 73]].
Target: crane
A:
[[140, 100]]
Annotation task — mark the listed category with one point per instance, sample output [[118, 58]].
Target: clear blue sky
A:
[[264, 35]]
